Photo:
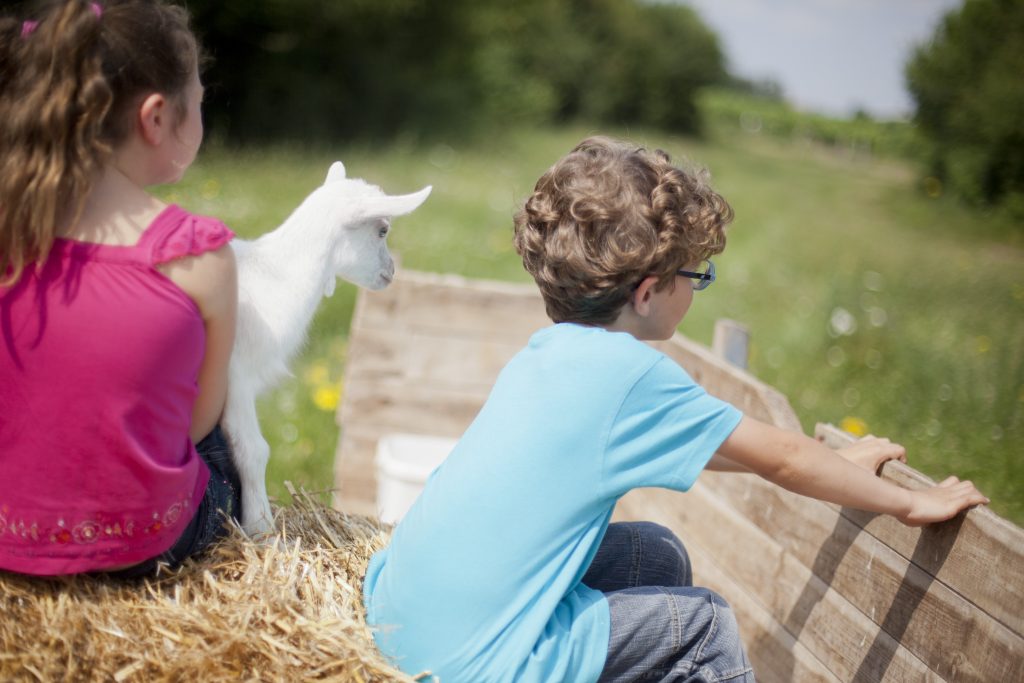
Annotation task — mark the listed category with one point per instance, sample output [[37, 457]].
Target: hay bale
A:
[[286, 609]]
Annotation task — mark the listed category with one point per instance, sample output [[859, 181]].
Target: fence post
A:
[[731, 341]]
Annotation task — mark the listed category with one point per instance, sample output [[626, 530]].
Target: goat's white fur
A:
[[340, 230]]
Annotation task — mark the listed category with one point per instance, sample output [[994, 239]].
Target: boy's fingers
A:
[[895, 452], [964, 494], [973, 495], [948, 481]]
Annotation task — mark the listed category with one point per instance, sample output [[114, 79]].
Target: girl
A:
[[117, 312]]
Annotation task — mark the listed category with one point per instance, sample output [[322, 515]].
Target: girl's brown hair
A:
[[68, 88], [608, 215]]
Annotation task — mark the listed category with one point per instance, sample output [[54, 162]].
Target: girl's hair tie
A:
[[27, 27]]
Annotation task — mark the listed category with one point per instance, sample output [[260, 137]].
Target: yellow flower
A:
[[854, 425], [327, 397]]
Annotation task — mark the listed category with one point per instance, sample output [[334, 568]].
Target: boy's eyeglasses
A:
[[702, 279]]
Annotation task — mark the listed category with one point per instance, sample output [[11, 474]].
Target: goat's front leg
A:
[[251, 453]]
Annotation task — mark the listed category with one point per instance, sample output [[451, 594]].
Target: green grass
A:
[[867, 301]]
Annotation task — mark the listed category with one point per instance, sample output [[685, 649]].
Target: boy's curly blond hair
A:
[[606, 216]]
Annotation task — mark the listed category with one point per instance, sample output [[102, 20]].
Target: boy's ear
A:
[[641, 299], [153, 118]]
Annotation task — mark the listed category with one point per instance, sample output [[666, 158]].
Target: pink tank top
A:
[[99, 360]]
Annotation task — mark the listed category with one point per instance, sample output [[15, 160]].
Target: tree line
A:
[[314, 70], [322, 70]]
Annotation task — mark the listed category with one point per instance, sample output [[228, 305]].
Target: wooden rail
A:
[[822, 593]]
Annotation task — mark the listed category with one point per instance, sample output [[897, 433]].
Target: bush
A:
[[970, 94]]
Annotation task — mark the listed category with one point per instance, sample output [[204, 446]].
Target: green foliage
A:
[[750, 110], [968, 85], [314, 71], [868, 302]]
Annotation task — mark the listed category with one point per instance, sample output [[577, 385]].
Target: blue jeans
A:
[[662, 627]]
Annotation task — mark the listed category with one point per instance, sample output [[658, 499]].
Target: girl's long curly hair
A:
[[68, 87], [608, 215]]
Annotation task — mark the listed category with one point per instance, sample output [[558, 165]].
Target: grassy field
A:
[[870, 304]]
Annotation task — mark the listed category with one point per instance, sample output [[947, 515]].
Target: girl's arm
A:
[[211, 280], [802, 465]]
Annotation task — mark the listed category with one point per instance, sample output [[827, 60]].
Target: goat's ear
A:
[[335, 172], [386, 206]]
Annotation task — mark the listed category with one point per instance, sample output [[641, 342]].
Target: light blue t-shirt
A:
[[481, 580]]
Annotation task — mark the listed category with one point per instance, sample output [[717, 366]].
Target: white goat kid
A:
[[340, 230]]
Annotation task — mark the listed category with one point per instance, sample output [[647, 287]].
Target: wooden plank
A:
[[427, 358], [355, 471], [372, 409], [830, 627], [456, 308], [775, 655], [978, 554], [898, 596], [730, 383], [414, 409], [731, 341], [455, 305]]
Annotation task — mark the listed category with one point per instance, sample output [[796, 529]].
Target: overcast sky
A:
[[831, 56]]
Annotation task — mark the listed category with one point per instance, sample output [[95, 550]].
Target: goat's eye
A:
[[383, 232]]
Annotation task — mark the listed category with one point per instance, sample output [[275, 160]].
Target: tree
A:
[[314, 70], [968, 84]]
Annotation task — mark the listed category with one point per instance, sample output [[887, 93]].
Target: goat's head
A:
[[359, 219]]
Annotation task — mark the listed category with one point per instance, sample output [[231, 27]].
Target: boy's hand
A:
[[941, 502], [870, 453]]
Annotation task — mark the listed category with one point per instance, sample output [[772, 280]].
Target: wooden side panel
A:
[[730, 383], [979, 555], [355, 489], [899, 598], [424, 353], [822, 593], [774, 653], [455, 306], [833, 630], [422, 357]]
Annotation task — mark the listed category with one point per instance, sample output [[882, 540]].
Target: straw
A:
[[285, 608]]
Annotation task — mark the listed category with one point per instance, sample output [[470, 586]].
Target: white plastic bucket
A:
[[404, 462]]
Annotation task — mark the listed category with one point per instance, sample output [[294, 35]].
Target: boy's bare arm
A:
[[720, 463], [871, 453], [802, 465]]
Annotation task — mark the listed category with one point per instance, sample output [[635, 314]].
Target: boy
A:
[[506, 568]]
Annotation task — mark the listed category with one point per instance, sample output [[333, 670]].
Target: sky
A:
[[829, 56]]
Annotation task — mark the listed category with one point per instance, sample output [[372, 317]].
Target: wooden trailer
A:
[[822, 593]]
